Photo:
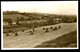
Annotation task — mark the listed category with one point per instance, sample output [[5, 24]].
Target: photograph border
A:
[[33, 48]]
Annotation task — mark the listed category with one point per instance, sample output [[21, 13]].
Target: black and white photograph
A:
[[39, 24]]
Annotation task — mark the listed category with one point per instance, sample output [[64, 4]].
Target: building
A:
[[57, 20], [5, 23], [14, 23]]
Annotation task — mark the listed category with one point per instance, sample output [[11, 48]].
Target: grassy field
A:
[[25, 40], [14, 16], [35, 15], [26, 15], [67, 40], [15, 29]]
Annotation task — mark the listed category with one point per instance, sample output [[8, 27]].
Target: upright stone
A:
[[31, 33], [16, 34], [51, 27], [47, 30], [59, 26], [22, 30], [43, 28]]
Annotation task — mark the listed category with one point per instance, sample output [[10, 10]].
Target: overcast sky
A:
[[54, 7]]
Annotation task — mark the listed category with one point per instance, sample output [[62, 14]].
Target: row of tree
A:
[[70, 19], [49, 20]]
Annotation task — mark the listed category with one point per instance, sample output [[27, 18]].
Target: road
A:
[[25, 40]]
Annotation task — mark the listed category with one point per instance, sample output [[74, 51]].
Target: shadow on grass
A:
[[67, 40]]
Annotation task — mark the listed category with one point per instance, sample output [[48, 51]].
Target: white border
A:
[[1, 29], [32, 48]]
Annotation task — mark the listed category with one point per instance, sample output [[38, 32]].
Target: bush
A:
[[69, 19]]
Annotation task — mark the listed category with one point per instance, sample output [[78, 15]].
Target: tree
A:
[[22, 18], [9, 20], [42, 17], [17, 20], [50, 21], [29, 19]]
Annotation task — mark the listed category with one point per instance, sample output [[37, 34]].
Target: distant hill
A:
[[25, 15], [14, 14]]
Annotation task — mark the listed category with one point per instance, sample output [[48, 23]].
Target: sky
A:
[[52, 7]]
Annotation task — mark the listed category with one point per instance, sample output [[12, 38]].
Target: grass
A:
[[67, 40], [14, 16], [15, 29]]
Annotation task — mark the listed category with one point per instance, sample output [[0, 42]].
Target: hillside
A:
[[25, 40], [14, 15], [67, 40]]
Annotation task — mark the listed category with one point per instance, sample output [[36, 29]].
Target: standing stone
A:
[[59, 26], [43, 28], [22, 30], [47, 30], [33, 30], [31, 33], [55, 28], [51, 27], [16, 34]]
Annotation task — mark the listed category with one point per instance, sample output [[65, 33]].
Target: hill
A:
[[25, 40], [67, 40], [14, 14]]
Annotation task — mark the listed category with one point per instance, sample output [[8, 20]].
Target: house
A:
[[57, 20], [31, 21], [14, 23], [22, 22], [5, 23]]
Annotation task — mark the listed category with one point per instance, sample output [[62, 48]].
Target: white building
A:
[[57, 20], [5, 23], [14, 23]]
